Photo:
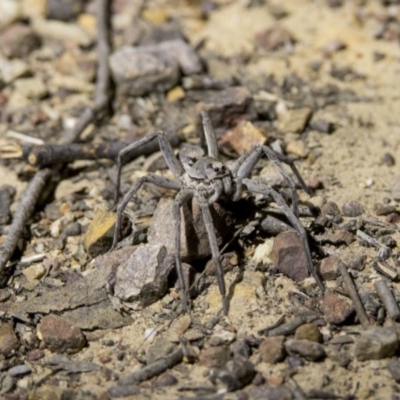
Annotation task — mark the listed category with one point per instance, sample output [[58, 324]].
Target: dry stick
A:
[[388, 300], [35, 187], [154, 369], [102, 93], [352, 291]]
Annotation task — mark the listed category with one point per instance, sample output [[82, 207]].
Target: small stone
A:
[[309, 332], [214, 357], [295, 120], [142, 278], [116, 392], [394, 368], [156, 16], [352, 209], [18, 41], [59, 335], [35, 355], [272, 349], [9, 71], [244, 137], [337, 309], [357, 263], [19, 370], [322, 125], [34, 272], [289, 256], [275, 37], [64, 10], [100, 232], [307, 349], [376, 343], [298, 148], [160, 348], [395, 188], [194, 238], [384, 209], [388, 159], [9, 12], [192, 335], [268, 392], [330, 208], [329, 268], [33, 88], [175, 94], [221, 337], [240, 347], [166, 380], [8, 339], [226, 107]]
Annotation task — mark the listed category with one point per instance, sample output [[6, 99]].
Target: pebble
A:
[[240, 347], [194, 238], [226, 107], [395, 188], [289, 256], [329, 268], [309, 332], [33, 88], [12, 70], [272, 349], [269, 392], [243, 137], [160, 348], [321, 125], [388, 159], [19, 370], [175, 94], [352, 209], [18, 41], [222, 337], [60, 336], [297, 148], [34, 272], [142, 278], [9, 12], [376, 343], [166, 380], [330, 208], [122, 391], [155, 16], [274, 38], [307, 349], [295, 120], [140, 70], [8, 339], [337, 309], [64, 10], [214, 357]]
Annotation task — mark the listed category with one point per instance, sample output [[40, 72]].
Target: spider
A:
[[207, 179]]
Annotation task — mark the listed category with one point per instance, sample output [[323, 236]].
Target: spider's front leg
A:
[[268, 191], [244, 165]]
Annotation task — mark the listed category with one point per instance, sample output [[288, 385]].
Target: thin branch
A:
[[388, 300]]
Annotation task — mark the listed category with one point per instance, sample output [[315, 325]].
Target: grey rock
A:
[[305, 348], [140, 70], [337, 309], [19, 370], [64, 10], [194, 238], [240, 347], [329, 268], [309, 331], [266, 392], [159, 349], [121, 391], [272, 349], [142, 277], [394, 368], [330, 208], [8, 339], [166, 380], [395, 188], [289, 256], [352, 209], [376, 343], [214, 357]]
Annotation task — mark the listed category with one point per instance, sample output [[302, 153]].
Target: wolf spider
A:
[[207, 179]]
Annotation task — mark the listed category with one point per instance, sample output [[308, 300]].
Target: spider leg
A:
[[212, 238], [182, 197], [173, 163], [266, 190], [154, 179], [211, 137], [243, 166]]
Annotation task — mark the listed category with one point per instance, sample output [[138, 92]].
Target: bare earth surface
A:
[[339, 64]]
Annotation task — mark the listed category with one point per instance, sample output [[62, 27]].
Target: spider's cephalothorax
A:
[[206, 178]]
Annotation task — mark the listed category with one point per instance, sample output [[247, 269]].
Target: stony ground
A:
[[316, 80]]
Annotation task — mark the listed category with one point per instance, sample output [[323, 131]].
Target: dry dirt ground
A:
[[346, 52]]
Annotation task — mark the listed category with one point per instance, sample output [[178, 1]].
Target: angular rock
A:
[[194, 238], [140, 70], [394, 368], [142, 278], [295, 120], [337, 309], [226, 107], [376, 343], [267, 392], [329, 268], [297, 148], [18, 41], [352, 209], [8, 339], [214, 357], [307, 349], [289, 256], [395, 188], [309, 332], [272, 349], [60, 336], [34, 272], [240, 347]]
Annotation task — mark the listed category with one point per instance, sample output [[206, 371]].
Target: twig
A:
[[276, 324], [23, 213], [352, 291], [383, 251], [154, 369], [388, 300], [103, 82], [296, 390], [291, 326]]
